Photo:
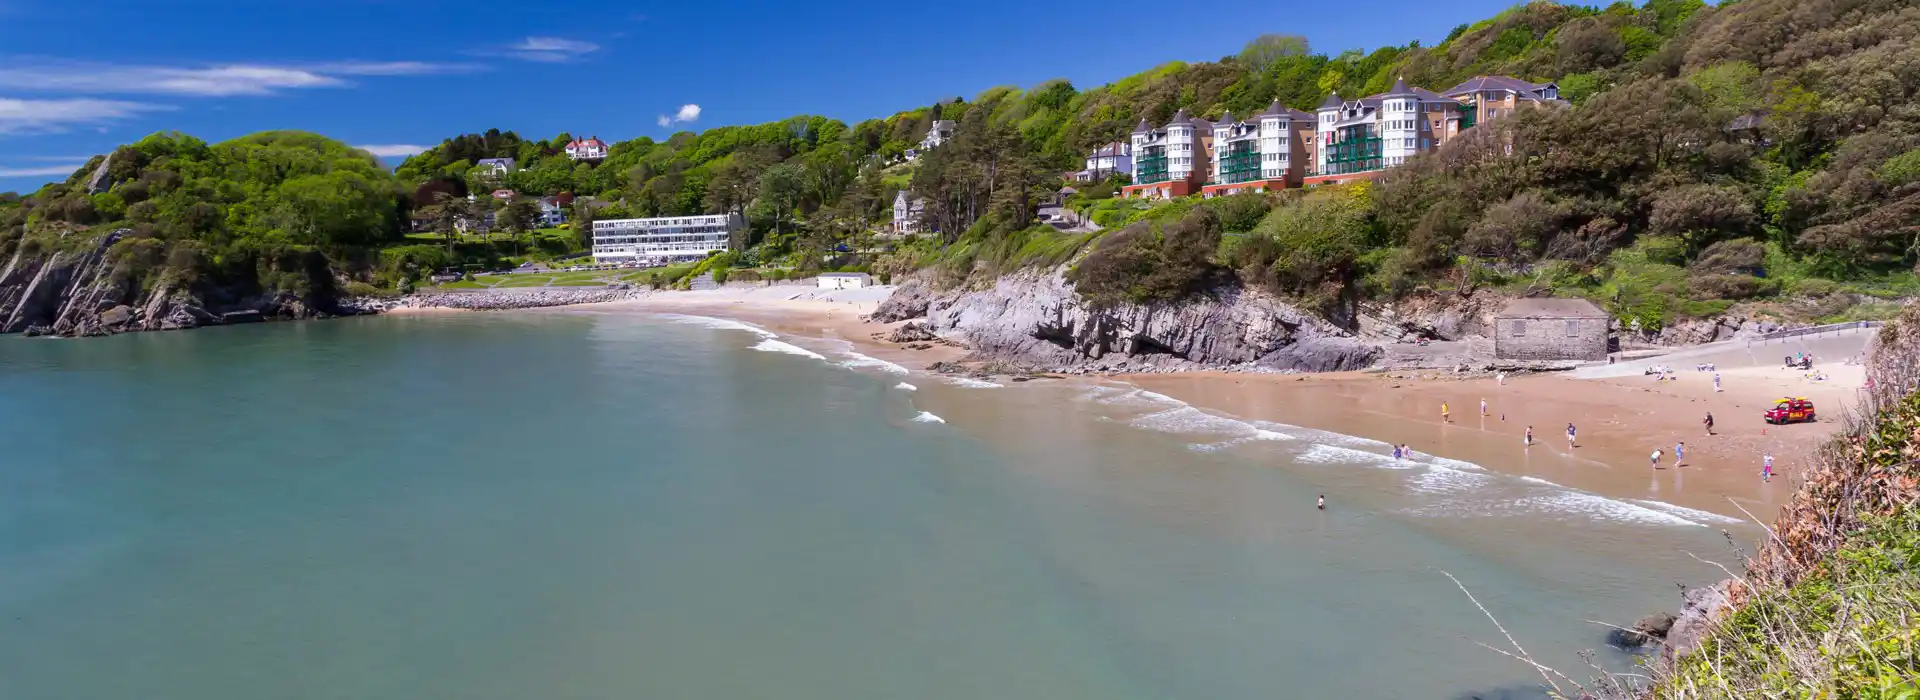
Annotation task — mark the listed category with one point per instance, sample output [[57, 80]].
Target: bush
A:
[[1308, 246], [1145, 263]]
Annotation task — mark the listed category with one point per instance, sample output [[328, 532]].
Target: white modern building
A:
[[1267, 152], [1173, 160], [663, 239], [844, 280]]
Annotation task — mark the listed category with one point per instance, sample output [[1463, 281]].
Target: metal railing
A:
[[1817, 330]]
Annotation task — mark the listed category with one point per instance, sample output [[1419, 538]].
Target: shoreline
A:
[[1620, 420]]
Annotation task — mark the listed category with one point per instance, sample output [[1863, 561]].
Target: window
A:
[[1519, 328], [1573, 329]]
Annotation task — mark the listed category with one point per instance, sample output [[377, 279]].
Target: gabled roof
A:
[[1540, 307], [1482, 83], [1116, 148], [496, 161], [587, 142]]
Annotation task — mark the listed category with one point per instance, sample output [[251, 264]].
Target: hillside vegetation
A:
[[1761, 152]]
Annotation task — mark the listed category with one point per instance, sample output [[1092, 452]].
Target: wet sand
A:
[[1620, 422], [791, 310]]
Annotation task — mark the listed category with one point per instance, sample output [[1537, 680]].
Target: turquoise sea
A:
[[553, 505]]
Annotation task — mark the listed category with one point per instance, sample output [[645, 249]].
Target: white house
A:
[[591, 148], [1103, 162], [941, 132], [552, 212], [663, 239], [907, 213], [496, 167], [844, 280]]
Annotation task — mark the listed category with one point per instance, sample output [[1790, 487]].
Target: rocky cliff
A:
[[1036, 320], [76, 294]]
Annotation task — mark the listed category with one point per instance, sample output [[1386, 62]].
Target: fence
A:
[[1817, 330]]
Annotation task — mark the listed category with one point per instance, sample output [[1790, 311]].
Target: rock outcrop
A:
[[75, 293], [1036, 320]]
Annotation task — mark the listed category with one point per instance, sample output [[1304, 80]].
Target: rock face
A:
[[1701, 609], [909, 300], [74, 294], [1648, 630], [1036, 320]]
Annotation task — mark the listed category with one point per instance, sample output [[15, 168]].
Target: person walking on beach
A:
[[1483, 408], [1679, 454], [1571, 440], [1716, 382], [1445, 415], [1709, 422], [1656, 458], [1766, 468], [1529, 442]]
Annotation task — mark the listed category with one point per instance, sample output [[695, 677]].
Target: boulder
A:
[[1648, 630], [908, 301], [1702, 607], [912, 333]]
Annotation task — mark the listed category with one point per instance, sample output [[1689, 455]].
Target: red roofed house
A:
[[591, 148]]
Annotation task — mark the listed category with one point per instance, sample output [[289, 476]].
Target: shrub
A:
[[1145, 263]]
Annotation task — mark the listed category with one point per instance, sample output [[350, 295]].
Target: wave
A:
[[1600, 507], [903, 386], [723, 324], [1538, 480], [926, 417], [972, 383], [1698, 516], [861, 361], [771, 345], [1134, 396]]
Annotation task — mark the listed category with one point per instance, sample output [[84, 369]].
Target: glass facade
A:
[[1151, 165], [1240, 163], [663, 239], [1357, 149]]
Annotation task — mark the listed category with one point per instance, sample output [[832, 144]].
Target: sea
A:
[[633, 505]]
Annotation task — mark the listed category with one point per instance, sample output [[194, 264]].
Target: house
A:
[[664, 239], [908, 214], [1170, 161], [941, 132], [503, 194], [844, 280], [553, 212], [494, 167], [1551, 329], [590, 148], [1267, 152], [1105, 161]]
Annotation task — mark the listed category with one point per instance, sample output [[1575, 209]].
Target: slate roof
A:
[[1332, 101], [1142, 128], [1493, 82], [1541, 307]]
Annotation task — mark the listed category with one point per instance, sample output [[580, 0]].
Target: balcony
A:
[[1240, 166], [1150, 168]]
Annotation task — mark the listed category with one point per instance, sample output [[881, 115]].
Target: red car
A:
[[1790, 410]]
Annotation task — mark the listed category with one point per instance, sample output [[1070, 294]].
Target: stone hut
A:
[[1550, 329]]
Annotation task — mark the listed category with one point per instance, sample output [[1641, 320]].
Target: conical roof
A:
[[1400, 87], [1142, 128], [1226, 119], [1180, 116], [1332, 101], [1276, 110]]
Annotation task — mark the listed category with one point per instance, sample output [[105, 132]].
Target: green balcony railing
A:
[[1469, 114], [1150, 168], [1240, 165]]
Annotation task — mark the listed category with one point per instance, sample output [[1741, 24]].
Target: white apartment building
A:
[[1170, 161], [663, 239], [1266, 152]]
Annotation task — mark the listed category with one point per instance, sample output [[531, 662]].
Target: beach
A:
[[1619, 421]]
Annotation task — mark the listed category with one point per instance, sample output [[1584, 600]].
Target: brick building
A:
[[1551, 329]]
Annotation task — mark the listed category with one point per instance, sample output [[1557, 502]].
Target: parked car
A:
[[1792, 409]]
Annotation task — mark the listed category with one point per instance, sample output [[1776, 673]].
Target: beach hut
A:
[[844, 280], [1551, 329]]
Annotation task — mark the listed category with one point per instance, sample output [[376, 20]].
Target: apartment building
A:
[[663, 239], [1173, 160], [1269, 151], [1357, 139]]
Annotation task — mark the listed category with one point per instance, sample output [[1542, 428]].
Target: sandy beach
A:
[[1620, 421]]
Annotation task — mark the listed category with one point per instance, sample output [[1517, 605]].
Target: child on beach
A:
[[1322, 504], [1709, 422], [1445, 417], [1483, 408], [1656, 458], [1766, 468], [1571, 440], [1529, 441], [1679, 453]]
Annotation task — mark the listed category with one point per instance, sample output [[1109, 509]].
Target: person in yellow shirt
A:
[[1445, 416]]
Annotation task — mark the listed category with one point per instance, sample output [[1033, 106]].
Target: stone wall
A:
[[1550, 338]]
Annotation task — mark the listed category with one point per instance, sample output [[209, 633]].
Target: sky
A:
[[79, 78]]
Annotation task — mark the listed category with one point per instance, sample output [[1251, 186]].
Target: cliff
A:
[[77, 293], [1034, 319]]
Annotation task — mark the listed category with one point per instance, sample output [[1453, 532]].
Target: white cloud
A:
[[687, 114], [547, 49], [41, 170], [396, 150], [53, 116], [204, 81]]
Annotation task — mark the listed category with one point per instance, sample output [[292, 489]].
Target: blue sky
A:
[[78, 78]]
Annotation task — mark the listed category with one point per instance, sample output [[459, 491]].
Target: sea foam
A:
[[771, 345], [1698, 516], [860, 361], [926, 417], [722, 324], [972, 383], [903, 386]]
